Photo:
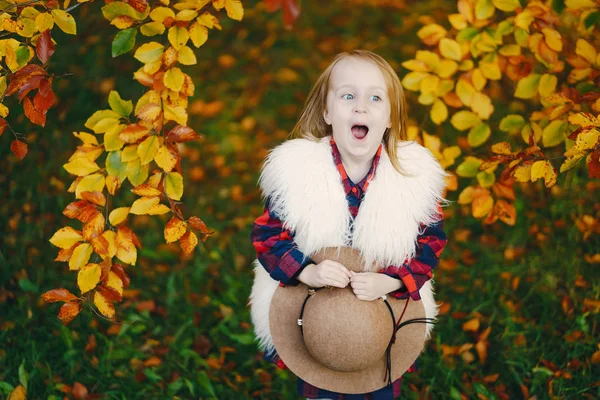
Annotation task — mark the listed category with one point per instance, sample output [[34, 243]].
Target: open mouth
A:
[[360, 131]]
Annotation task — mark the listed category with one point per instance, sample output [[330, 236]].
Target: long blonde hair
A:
[[311, 124]]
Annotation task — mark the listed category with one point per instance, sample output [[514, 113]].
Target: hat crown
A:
[[345, 335]]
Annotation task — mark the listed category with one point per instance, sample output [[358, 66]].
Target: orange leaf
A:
[[153, 362], [120, 271], [101, 245], [94, 227], [150, 111], [94, 197], [19, 148], [197, 223], [174, 230], [19, 393], [481, 348], [65, 254], [181, 134], [35, 116], [146, 190], [44, 99], [104, 305], [44, 47], [471, 326], [55, 295], [126, 251], [79, 392], [3, 125], [69, 311], [133, 133], [188, 242]]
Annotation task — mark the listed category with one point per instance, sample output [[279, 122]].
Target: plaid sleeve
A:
[[430, 244], [276, 249]]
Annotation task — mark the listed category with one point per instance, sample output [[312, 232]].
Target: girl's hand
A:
[[326, 273], [370, 286]]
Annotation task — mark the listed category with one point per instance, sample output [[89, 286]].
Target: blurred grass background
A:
[[185, 329]]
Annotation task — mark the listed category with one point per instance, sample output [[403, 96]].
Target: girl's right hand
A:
[[326, 273]]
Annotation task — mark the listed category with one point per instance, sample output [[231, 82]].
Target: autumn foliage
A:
[[543, 62]]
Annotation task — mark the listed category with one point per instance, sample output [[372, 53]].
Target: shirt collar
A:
[[347, 182]]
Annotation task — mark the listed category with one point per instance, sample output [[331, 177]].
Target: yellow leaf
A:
[[501, 148], [19, 393], [65, 21], [188, 242], [554, 133], [174, 185], [198, 34], [111, 238], [81, 167], [3, 109], [510, 50], [482, 105], [506, 5], [412, 80], [464, 91], [104, 305], [118, 215], [186, 56], [105, 125], [523, 20], [186, 15], [152, 29], [44, 21], [478, 80], [66, 237], [490, 70], [158, 209], [528, 130], [416, 65], [523, 173], [130, 153], [458, 21], [165, 159], [112, 184], [486, 179], [482, 205], [450, 154], [115, 283], [447, 68], [173, 79], [527, 87], [429, 84], [149, 52], [547, 85], [178, 36], [586, 50], [112, 141], [587, 140], [431, 34], [580, 4], [543, 169], [464, 120], [174, 229], [484, 9], [445, 86], [553, 39], [439, 112], [159, 14], [570, 163], [88, 277], [90, 183], [146, 190], [584, 119], [81, 256], [147, 149], [466, 196], [177, 114], [450, 49], [430, 59], [234, 9], [86, 138], [143, 204], [11, 59], [126, 250], [100, 115]]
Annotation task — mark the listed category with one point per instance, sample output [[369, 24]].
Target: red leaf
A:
[[54, 295], [120, 271], [30, 83], [139, 5], [43, 102], [79, 392], [181, 134], [44, 47], [594, 164], [19, 148], [197, 223], [22, 75], [3, 125], [69, 311], [35, 116], [290, 12], [110, 293]]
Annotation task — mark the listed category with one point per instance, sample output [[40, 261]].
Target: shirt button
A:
[[354, 189]]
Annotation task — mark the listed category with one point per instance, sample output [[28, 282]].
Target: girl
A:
[[350, 178]]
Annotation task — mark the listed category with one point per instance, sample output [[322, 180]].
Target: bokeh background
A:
[[520, 303]]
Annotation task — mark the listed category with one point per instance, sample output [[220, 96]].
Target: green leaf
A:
[[117, 8], [114, 165], [119, 105], [464, 120], [205, 384], [469, 167], [486, 179], [22, 54], [484, 9], [528, 87], [23, 375], [27, 285], [592, 19], [6, 388], [466, 34], [123, 41], [479, 134], [554, 133], [512, 124]]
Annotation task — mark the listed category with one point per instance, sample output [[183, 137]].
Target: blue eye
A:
[[348, 96], [376, 98]]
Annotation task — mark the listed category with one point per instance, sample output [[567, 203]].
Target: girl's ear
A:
[[326, 117]]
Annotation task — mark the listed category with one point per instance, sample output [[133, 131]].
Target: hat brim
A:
[[283, 316]]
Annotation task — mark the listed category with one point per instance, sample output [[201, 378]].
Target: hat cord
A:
[[395, 328]]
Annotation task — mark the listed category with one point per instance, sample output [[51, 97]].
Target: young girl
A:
[[350, 178]]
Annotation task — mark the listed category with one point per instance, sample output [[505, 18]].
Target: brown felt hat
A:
[[341, 342]]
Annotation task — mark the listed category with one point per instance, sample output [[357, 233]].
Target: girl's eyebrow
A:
[[351, 86]]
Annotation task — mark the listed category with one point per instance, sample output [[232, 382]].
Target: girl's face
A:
[[358, 108]]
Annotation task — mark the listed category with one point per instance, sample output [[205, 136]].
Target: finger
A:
[[341, 267], [336, 281]]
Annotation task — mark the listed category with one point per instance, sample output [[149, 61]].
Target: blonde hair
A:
[[311, 124]]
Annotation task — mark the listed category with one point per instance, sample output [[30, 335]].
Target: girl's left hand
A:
[[370, 286]]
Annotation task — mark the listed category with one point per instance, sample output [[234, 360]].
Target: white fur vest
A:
[[306, 191]]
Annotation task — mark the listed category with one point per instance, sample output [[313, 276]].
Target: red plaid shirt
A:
[[277, 252]]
